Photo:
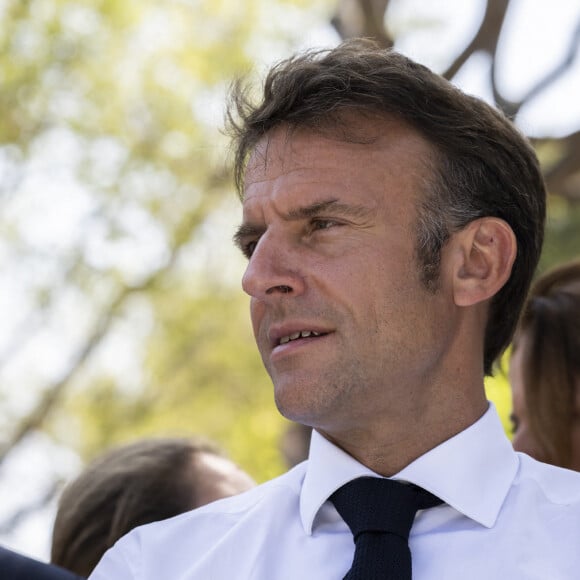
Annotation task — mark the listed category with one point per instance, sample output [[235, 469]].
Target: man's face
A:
[[345, 327]]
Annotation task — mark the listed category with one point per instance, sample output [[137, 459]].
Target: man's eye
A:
[[321, 224]]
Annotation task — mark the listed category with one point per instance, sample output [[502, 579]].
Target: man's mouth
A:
[[300, 334]]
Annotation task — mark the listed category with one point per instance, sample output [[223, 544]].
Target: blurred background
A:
[[120, 308]]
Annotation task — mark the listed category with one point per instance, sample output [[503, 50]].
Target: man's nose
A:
[[274, 269]]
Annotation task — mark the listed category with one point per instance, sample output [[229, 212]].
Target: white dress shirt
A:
[[506, 517]]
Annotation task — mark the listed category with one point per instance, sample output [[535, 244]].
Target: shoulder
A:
[[286, 487], [540, 523], [204, 538], [554, 485], [213, 520]]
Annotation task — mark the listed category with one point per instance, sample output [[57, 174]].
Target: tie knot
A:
[[372, 504]]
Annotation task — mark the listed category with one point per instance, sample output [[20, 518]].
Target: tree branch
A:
[[362, 19], [551, 76], [486, 38]]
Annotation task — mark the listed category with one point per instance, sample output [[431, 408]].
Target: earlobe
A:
[[485, 253]]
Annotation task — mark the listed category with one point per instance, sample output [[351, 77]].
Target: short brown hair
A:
[[129, 486], [551, 361], [484, 165]]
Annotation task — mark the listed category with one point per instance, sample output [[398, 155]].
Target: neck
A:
[[390, 446]]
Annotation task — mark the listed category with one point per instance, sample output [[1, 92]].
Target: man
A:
[[392, 226], [15, 566]]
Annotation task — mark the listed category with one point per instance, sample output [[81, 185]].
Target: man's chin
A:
[[298, 407]]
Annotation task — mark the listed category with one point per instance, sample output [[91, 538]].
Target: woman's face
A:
[[523, 437]]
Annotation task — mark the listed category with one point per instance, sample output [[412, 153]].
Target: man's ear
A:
[[484, 253]]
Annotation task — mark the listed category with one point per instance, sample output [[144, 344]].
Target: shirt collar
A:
[[472, 472]]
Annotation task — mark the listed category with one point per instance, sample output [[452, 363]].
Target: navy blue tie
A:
[[380, 513]]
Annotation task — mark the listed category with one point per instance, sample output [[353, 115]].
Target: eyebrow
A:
[[333, 205]]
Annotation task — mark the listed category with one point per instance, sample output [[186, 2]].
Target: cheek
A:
[[519, 441], [524, 441], [256, 315]]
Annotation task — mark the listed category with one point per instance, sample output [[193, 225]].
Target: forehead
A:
[[373, 151]]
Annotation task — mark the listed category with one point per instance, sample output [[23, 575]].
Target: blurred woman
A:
[[137, 484], [545, 370]]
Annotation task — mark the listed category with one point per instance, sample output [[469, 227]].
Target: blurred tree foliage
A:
[[202, 374], [121, 314], [121, 310]]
